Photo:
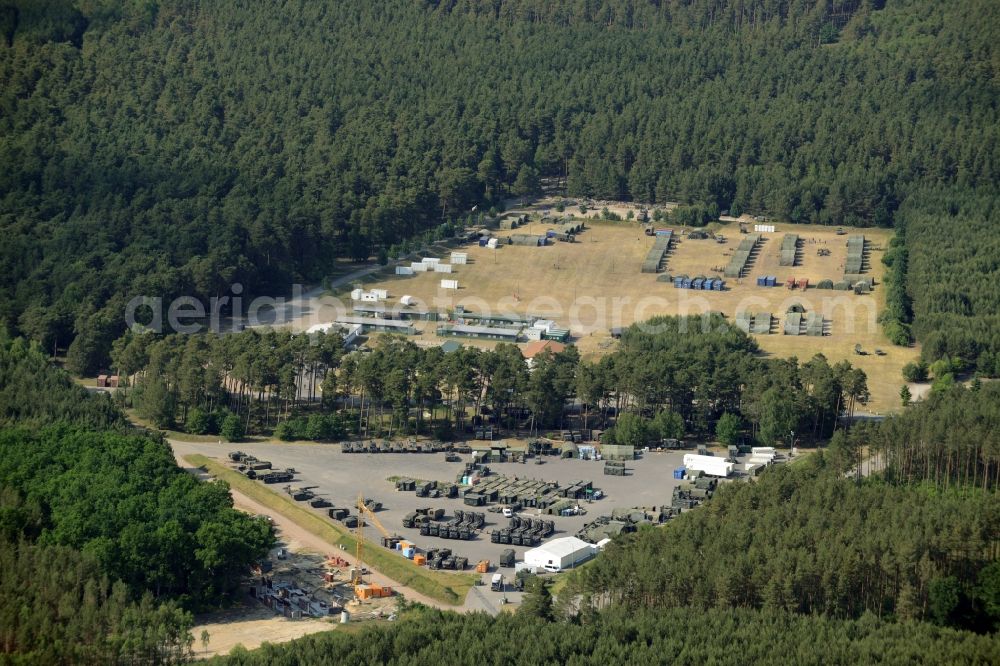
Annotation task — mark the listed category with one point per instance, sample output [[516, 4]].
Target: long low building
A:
[[480, 332], [383, 311], [349, 331], [379, 325], [463, 316]]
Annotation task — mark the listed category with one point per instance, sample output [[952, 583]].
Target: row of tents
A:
[[741, 257], [797, 323], [751, 322], [654, 259], [855, 255], [789, 250]]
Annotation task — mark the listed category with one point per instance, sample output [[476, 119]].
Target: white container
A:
[[404, 270], [449, 284], [492, 243], [710, 465], [381, 293], [408, 300], [356, 294], [345, 617], [430, 261], [459, 258], [419, 268], [442, 268]]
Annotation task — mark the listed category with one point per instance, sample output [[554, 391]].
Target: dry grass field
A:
[[595, 284]]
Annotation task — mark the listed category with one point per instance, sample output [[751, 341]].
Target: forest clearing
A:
[[594, 285]]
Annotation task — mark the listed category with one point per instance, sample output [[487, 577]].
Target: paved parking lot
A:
[[341, 476]]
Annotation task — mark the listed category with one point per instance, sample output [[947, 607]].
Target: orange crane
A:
[[363, 590]]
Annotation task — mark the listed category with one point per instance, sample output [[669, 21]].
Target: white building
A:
[[349, 331], [559, 554]]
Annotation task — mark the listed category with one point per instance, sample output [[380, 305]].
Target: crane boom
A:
[[365, 513], [362, 509]]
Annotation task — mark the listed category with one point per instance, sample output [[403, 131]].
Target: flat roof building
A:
[[479, 332]]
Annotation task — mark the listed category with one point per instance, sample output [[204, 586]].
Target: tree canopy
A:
[[105, 543], [177, 148]]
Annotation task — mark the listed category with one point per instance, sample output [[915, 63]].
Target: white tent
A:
[[559, 554]]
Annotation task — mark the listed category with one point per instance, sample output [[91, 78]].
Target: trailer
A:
[[710, 465]]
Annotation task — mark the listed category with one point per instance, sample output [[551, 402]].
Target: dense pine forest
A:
[[176, 148], [168, 149], [106, 546], [673, 636], [808, 541]]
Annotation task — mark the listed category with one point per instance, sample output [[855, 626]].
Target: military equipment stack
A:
[[614, 468], [523, 532]]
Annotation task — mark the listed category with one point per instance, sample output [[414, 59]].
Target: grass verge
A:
[[444, 587]]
